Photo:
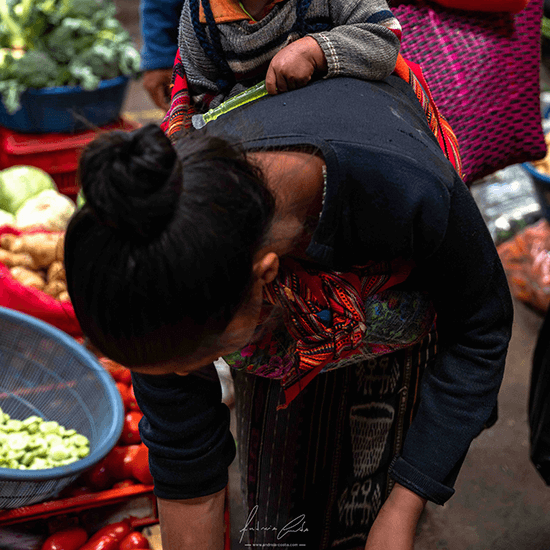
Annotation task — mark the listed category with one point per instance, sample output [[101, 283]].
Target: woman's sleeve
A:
[[159, 21], [459, 390], [364, 42], [186, 429]]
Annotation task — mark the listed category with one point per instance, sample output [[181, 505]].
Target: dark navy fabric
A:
[[391, 193], [186, 429]]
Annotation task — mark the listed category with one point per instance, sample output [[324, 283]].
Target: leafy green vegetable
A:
[[46, 43], [37, 69], [19, 183]]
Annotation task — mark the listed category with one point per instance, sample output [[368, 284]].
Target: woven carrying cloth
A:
[[181, 111], [483, 71]]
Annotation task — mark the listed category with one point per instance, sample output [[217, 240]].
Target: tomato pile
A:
[[128, 462], [116, 536]]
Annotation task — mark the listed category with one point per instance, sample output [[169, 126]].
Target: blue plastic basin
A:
[[44, 372], [67, 108]]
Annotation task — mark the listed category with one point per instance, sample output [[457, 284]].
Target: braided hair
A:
[[213, 48]]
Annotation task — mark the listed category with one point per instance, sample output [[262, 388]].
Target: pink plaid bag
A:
[[483, 72]]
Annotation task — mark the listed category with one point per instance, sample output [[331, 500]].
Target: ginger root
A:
[[45, 248], [27, 277], [6, 240], [12, 259], [54, 288], [56, 272], [35, 260]]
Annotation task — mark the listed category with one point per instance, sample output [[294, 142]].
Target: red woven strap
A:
[[181, 111], [412, 73]]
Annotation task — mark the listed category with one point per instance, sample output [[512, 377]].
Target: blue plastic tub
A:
[[45, 372], [67, 109]]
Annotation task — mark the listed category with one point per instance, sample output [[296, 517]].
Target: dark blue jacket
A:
[[390, 193], [159, 20]]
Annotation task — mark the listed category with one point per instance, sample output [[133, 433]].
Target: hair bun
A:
[[132, 180]]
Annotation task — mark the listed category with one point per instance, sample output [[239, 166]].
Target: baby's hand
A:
[[294, 66]]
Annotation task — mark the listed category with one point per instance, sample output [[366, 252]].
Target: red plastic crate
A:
[[56, 154], [84, 502]]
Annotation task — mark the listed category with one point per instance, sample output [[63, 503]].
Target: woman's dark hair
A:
[[159, 258]]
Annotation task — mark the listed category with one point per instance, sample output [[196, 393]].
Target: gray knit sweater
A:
[[362, 41]]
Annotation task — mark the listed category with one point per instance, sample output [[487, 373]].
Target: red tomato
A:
[[132, 403], [67, 539], [125, 376], [134, 541], [118, 372], [117, 531], [140, 466], [104, 542], [99, 477], [130, 431], [124, 391], [119, 461]]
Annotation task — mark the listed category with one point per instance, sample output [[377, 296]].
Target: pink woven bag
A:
[[483, 72]]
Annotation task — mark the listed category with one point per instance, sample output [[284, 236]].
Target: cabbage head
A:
[[20, 183]]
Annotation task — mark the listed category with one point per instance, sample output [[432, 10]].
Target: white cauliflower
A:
[[49, 209], [6, 218]]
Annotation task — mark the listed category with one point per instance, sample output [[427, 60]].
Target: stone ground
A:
[[501, 503]]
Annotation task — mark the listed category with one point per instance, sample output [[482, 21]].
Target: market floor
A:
[[501, 503]]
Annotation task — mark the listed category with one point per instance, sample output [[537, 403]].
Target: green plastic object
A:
[[252, 94]]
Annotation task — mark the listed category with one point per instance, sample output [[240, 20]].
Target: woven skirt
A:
[[315, 475]]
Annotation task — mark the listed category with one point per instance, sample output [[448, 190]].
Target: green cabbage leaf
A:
[[20, 183]]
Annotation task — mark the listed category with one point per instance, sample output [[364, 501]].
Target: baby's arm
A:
[[364, 41]]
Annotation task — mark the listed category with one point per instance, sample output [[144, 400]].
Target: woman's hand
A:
[[157, 84], [294, 66], [395, 526]]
